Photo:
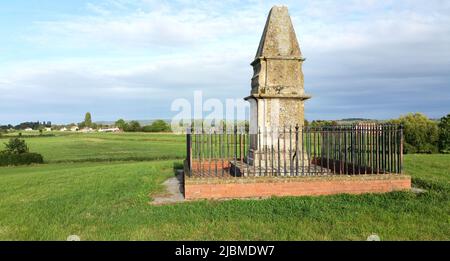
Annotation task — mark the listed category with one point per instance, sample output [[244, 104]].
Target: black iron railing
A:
[[294, 151]]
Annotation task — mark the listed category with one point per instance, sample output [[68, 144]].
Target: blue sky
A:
[[131, 59]]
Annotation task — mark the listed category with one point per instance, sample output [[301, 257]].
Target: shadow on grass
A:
[[431, 185], [179, 174]]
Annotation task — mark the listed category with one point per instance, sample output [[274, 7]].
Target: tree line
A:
[[132, 126], [421, 134], [24, 125], [135, 126]]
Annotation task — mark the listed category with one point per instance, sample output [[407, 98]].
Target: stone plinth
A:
[[220, 188]]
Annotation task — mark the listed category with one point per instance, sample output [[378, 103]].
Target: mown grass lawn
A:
[[429, 170], [96, 147], [109, 201]]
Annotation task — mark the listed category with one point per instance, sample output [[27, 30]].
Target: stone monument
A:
[[279, 154], [277, 95]]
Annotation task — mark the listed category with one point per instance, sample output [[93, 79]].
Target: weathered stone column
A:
[[277, 96]]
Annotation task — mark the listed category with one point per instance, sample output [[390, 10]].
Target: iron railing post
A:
[[189, 151], [401, 149]]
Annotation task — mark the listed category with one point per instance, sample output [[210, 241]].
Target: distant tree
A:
[[88, 120], [121, 124], [133, 126], [157, 126], [421, 134], [147, 128], [16, 146], [5, 128], [246, 126], [323, 123], [444, 134], [306, 123], [32, 125]]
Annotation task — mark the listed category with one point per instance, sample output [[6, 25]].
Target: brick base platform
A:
[[216, 188]]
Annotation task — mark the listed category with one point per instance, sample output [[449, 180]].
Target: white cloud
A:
[[155, 52], [97, 9], [163, 27]]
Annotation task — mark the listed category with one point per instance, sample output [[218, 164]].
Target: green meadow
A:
[[98, 147], [98, 186]]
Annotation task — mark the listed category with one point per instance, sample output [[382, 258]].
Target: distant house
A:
[[87, 130], [74, 128], [48, 129], [28, 129], [63, 129], [109, 130]]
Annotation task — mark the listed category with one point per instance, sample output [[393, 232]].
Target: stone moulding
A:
[[278, 96], [265, 58]]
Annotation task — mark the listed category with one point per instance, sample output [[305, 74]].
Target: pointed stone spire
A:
[[277, 96], [279, 39], [278, 63]]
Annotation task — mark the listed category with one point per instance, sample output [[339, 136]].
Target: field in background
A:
[[95, 147], [98, 186]]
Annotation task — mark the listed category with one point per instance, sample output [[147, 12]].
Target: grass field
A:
[[98, 186], [95, 147]]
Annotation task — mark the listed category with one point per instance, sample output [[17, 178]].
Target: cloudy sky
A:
[[131, 58]]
